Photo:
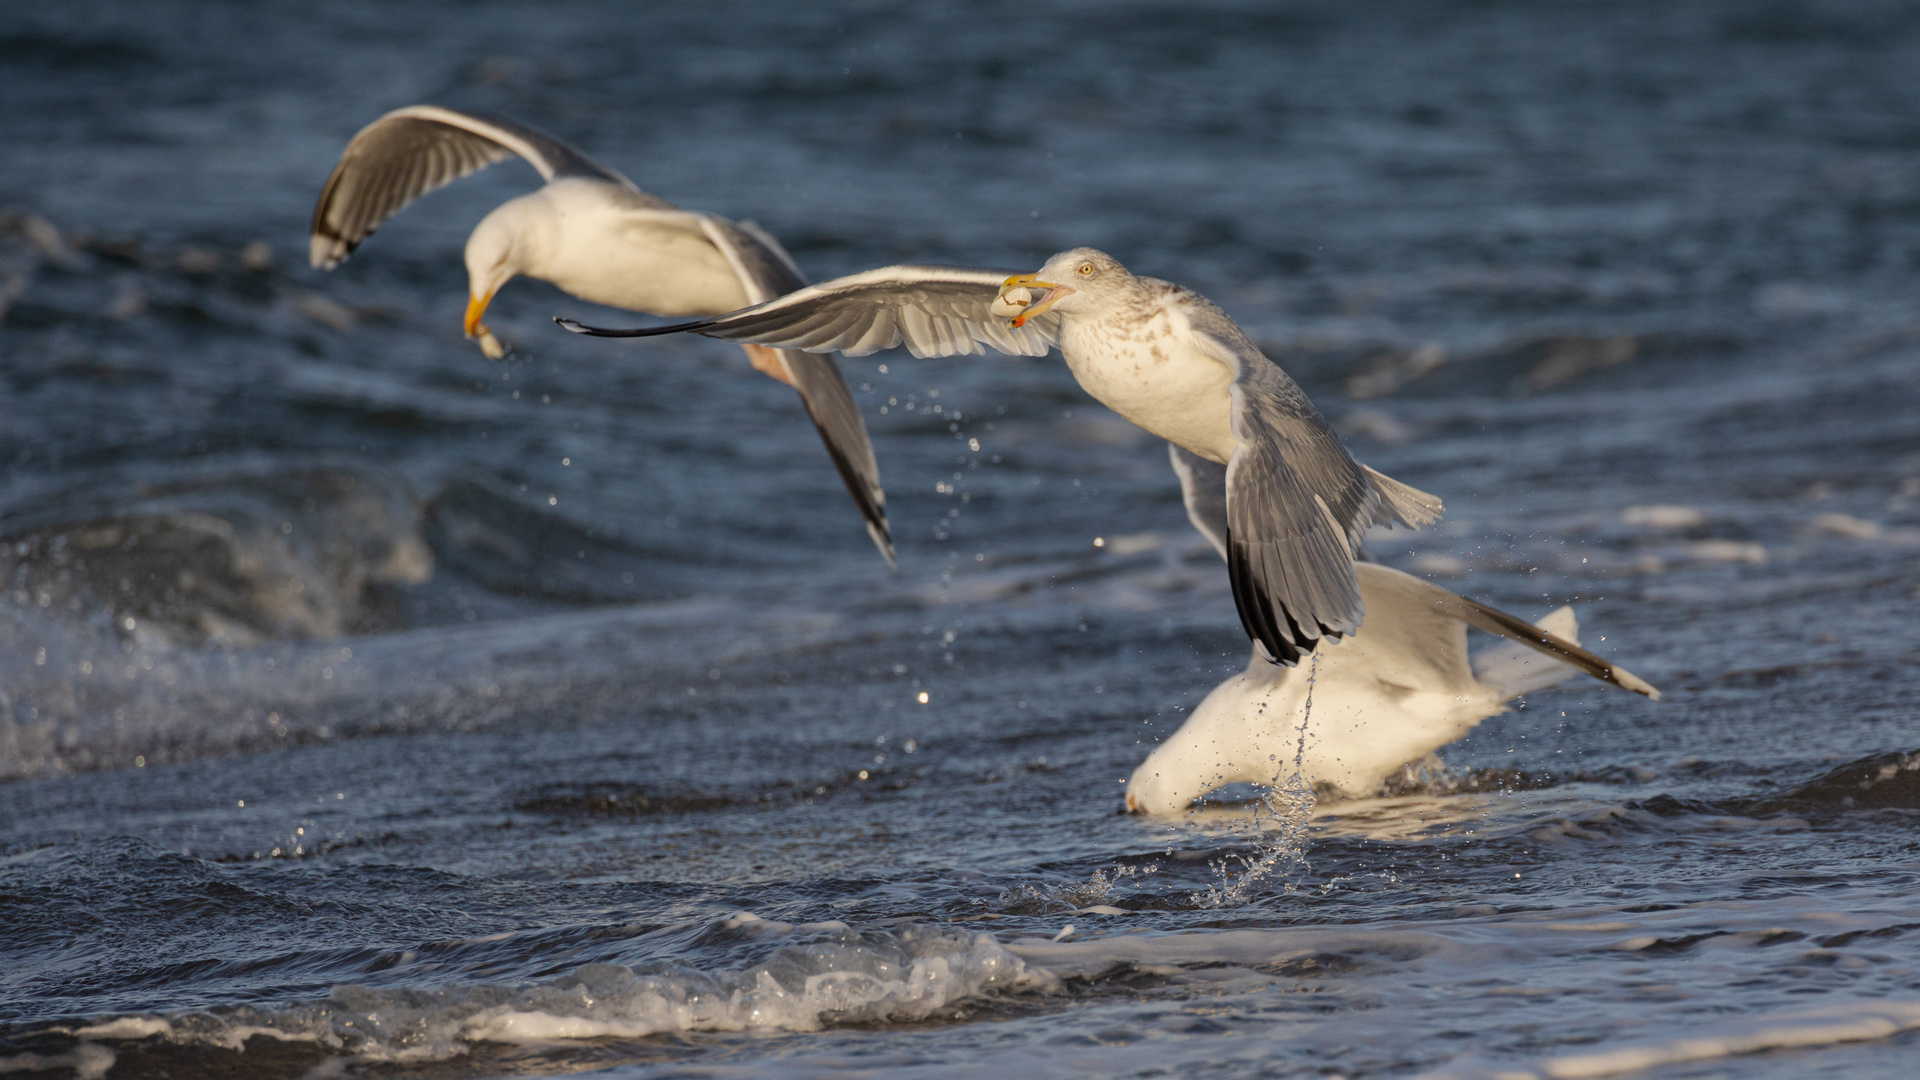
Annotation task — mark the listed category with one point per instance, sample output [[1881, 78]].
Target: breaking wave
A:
[[834, 976]]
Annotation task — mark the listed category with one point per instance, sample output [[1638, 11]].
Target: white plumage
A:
[[1165, 358], [593, 233], [1399, 689]]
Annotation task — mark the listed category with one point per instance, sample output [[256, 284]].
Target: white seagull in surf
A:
[[1397, 690], [595, 235], [1165, 358]]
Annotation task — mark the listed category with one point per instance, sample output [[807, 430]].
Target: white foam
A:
[[903, 975], [1098, 956], [126, 1027], [1853, 1021], [88, 1062]]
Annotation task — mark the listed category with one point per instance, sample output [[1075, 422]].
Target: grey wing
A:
[[767, 272], [932, 310], [1203, 488], [829, 401], [1294, 506], [1511, 627], [1297, 504], [412, 151]]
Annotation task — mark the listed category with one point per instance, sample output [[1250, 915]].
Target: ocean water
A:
[[369, 708]]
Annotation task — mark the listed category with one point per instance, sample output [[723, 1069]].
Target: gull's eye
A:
[[1086, 269]]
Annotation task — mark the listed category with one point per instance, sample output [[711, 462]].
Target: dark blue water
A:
[[347, 731]]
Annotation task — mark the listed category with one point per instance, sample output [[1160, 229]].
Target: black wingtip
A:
[[593, 331], [884, 541], [1281, 646], [638, 331]]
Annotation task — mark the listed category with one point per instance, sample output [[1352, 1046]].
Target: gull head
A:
[[1082, 279], [1165, 785], [493, 259]]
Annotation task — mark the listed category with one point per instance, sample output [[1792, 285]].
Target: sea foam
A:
[[842, 976]]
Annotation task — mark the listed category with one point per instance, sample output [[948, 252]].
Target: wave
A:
[[234, 557], [1853, 1021], [1889, 781], [785, 977], [1884, 781], [832, 975]]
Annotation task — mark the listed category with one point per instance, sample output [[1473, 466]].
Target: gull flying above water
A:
[[595, 235], [1167, 359]]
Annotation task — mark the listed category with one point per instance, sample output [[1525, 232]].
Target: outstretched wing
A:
[[1417, 595], [411, 151], [932, 310], [766, 271], [1297, 503]]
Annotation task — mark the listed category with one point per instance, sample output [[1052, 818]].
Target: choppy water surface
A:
[[370, 708]]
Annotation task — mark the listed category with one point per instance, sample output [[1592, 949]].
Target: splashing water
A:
[[635, 693], [1278, 827], [1097, 892]]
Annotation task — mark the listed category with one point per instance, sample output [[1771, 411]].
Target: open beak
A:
[[476, 307], [1053, 295]]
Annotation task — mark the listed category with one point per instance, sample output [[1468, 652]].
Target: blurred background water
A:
[[371, 708]]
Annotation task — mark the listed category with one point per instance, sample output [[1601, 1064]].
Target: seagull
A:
[[1399, 689], [1165, 358], [595, 235]]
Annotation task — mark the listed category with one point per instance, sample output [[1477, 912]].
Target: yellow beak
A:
[[477, 307], [1032, 281]]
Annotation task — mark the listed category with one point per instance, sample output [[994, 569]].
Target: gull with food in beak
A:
[[1170, 361], [595, 235]]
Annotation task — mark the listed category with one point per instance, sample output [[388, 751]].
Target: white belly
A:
[[1154, 376]]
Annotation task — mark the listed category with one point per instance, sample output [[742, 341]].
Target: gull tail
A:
[[1401, 504]]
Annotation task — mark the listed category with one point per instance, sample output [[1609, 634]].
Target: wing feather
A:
[[932, 310], [766, 272], [1297, 505], [829, 401], [412, 151], [863, 327], [1499, 623]]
